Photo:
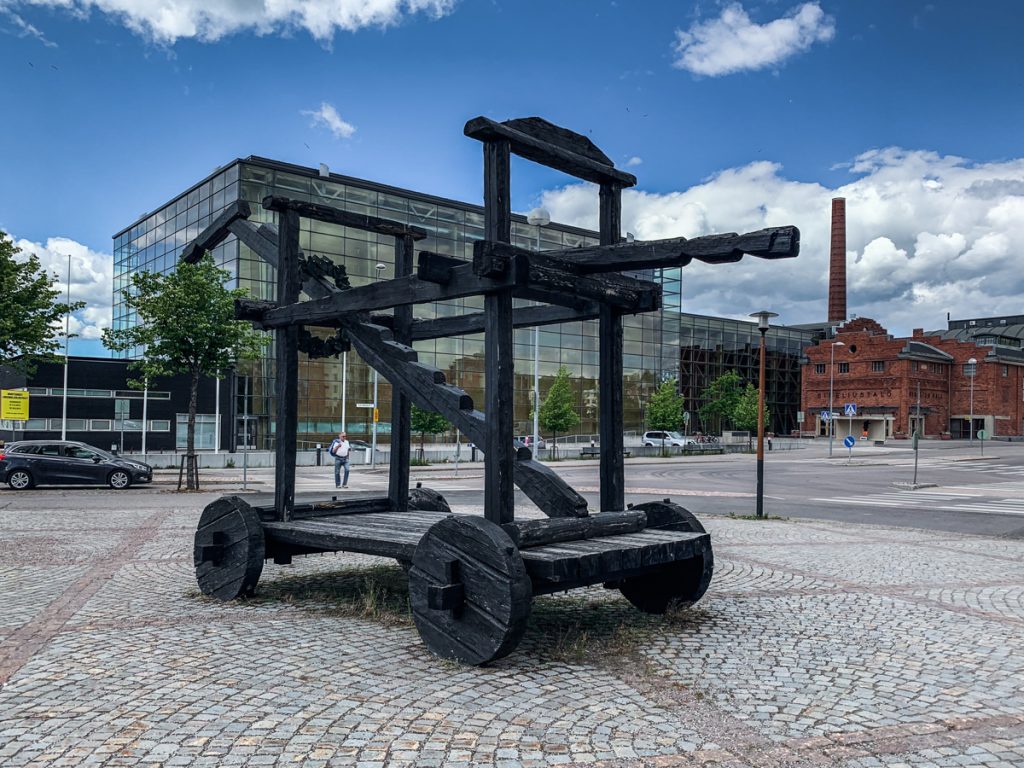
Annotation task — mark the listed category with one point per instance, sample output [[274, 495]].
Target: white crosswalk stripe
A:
[[932, 500]]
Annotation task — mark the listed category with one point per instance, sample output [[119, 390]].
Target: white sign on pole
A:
[[850, 409], [826, 416]]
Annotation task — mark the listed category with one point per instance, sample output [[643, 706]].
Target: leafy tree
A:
[[744, 415], [186, 324], [428, 422], [720, 398], [665, 409], [29, 314], [558, 411]]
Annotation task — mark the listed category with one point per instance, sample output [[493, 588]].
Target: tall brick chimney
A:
[[837, 264]]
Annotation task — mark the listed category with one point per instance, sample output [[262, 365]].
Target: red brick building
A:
[[922, 381]]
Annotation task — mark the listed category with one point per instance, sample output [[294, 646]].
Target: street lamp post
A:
[[831, 379], [373, 440], [972, 366], [538, 217], [67, 339], [762, 326]]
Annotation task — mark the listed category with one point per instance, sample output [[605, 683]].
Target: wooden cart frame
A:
[[471, 578]]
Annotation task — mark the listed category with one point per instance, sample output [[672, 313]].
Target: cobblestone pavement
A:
[[818, 644]]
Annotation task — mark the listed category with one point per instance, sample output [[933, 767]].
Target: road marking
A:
[[972, 502]]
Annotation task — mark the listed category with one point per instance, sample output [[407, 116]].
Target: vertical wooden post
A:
[[401, 409], [499, 493], [613, 493], [286, 345]]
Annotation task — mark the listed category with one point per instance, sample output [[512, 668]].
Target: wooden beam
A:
[[334, 215], [771, 243], [214, 234], [499, 381], [401, 406], [537, 533], [523, 317], [541, 272], [547, 149], [287, 369], [610, 368]]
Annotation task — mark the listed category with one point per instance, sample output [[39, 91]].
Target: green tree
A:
[[744, 415], [558, 411], [665, 409], [428, 422], [720, 398], [186, 324], [29, 312]]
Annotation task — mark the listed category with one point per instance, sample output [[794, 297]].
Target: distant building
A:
[[923, 382], [103, 411]]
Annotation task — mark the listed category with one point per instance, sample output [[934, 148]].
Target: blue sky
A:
[[733, 115]]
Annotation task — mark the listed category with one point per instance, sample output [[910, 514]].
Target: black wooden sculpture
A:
[[471, 578]]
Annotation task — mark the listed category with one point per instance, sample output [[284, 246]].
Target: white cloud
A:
[[927, 234], [24, 28], [328, 117], [733, 43], [167, 21], [92, 280], [634, 161]]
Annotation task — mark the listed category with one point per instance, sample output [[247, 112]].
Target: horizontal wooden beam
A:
[[771, 243], [523, 317], [214, 234], [542, 272], [547, 150], [537, 533], [334, 215]]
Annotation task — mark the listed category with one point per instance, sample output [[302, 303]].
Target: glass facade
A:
[[711, 346], [652, 341]]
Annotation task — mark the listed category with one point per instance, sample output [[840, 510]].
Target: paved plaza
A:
[[819, 643]]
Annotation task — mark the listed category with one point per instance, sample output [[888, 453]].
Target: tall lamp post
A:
[[67, 340], [831, 380], [762, 326], [972, 366], [538, 217], [373, 440]]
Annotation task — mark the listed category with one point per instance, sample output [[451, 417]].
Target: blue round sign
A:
[[849, 441]]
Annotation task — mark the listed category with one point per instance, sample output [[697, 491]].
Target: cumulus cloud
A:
[[167, 21], [92, 280], [634, 161], [927, 234], [733, 43], [328, 117]]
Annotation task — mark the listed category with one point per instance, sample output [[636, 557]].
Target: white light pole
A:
[[67, 339], [373, 443], [831, 378], [972, 366], [538, 217]]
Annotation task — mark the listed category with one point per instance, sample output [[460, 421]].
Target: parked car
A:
[[28, 463], [668, 439], [527, 440]]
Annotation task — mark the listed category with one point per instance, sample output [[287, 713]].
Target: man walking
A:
[[339, 449]]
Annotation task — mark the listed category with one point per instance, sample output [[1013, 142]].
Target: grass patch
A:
[[734, 516], [378, 592]]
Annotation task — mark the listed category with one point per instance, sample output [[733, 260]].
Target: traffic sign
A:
[[850, 409], [14, 404], [849, 442], [826, 416], [364, 405], [982, 434], [799, 417]]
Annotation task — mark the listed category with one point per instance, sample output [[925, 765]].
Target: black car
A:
[[29, 463]]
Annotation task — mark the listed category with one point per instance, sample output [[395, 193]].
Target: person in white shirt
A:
[[339, 449]]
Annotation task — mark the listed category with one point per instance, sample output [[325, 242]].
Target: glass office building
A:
[[154, 242]]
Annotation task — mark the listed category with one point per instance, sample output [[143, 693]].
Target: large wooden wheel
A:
[[469, 590], [427, 499], [229, 549], [679, 584]]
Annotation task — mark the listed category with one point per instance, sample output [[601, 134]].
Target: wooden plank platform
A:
[[551, 567]]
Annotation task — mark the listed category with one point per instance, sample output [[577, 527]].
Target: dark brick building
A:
[[923, 381]]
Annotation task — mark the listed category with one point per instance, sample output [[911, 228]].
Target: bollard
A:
[[319, 449]]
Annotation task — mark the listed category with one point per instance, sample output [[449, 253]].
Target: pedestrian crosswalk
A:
[[951, 501], [980, 467]]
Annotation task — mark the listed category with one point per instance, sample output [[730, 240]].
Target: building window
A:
[[969, 368], [924, 366], [205, 431], [878, 366], [1006, 371], [819, 367], [100, 425], [160, 425], [844, 367]]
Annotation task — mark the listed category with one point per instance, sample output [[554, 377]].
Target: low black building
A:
[[102, 410]]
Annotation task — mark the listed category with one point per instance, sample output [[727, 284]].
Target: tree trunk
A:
[[192, 469]]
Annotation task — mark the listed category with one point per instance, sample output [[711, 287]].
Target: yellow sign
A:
[[14, 405], [376, 415]]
